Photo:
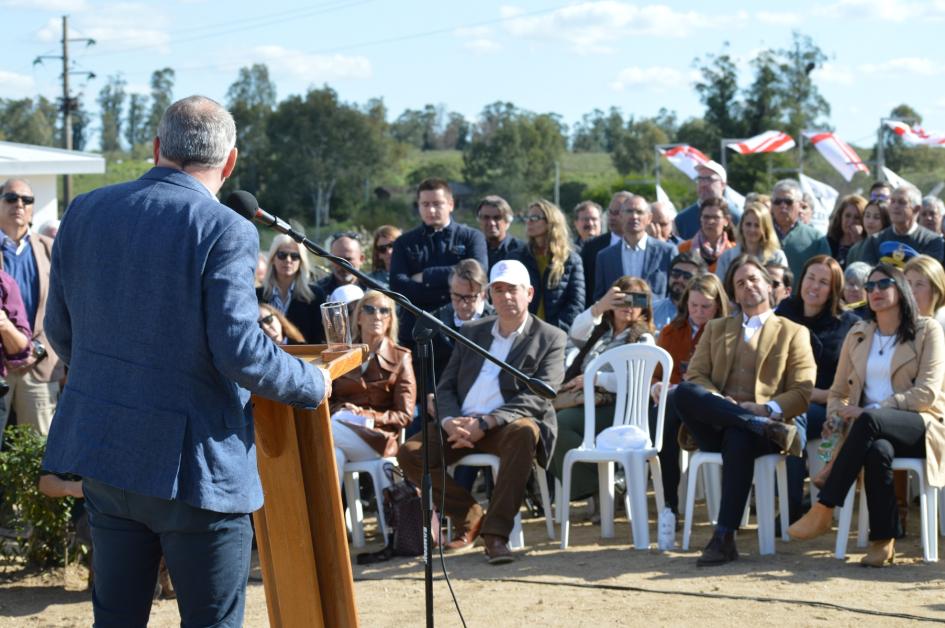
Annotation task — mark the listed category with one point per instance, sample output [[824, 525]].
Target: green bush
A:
[[41, 523]]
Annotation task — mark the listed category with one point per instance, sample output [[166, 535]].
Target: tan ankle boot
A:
[[817, 521], [879, 553]]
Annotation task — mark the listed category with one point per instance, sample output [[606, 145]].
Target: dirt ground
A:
[[595, 582]]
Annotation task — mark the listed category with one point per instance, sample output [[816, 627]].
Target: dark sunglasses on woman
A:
[[266, 320], [284, 255], [371, 310], [882, 284]]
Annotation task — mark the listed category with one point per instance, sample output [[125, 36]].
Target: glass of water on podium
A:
[[337, 329]]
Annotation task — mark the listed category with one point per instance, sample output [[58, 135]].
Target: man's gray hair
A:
[[856, 273], [912, 193], [789, 184], [934, 202], [197, 131], [668, 209]]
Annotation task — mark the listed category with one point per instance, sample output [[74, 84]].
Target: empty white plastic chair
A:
[[375, 468]]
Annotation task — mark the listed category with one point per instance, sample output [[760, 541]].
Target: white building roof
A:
[[27, 159]]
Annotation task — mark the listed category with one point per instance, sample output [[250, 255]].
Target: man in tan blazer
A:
[[750, 376], [34, 387]]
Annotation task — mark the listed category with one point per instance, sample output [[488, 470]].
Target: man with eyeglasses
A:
[[34, 386], [711, 180], [614, 235], [495, 217], [637, 254], [799, 242], [482, 409], [904, 207], [782, 282], [467, 303], [682, 269], [423, 257], [587, 215], [347, 246]]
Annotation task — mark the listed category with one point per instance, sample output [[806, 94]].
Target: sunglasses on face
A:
[[384, 248], [12, 197], [284, 255], [371, 310], [676, 273], [787, 202], [266, 320], [881, 284], [534, 218]]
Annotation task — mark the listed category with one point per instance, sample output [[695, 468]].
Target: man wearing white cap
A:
[[483, 409], [711, 180]]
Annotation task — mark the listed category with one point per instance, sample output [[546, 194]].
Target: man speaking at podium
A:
[[152, 306]]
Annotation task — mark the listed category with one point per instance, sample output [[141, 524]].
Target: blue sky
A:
[[564, 57]]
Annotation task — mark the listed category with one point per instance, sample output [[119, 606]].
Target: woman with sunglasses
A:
[[755, 236], [817, 305], [623, 315], [888, 388], [556, 271], [277, 326], [371, 405], [288, 287], [381, 249]]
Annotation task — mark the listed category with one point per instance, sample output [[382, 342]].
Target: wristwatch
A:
[[483, 424]]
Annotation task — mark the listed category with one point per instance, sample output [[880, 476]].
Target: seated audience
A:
[[288, 288], [613, 321], [703, 300], [799, 241], [555, 270], [888, 389], [755, 236], [483, 409], [782, 282], [816, 306], [372, 404], [467, 303], [714, 236], [748, 378], [904, 207], [277, 326], [854, 295], [382, 246], [846, 227]]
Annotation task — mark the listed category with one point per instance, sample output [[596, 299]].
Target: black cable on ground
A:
[[717, 596]]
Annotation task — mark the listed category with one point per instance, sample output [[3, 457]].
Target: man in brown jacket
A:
[[34, 387], [750, 376]]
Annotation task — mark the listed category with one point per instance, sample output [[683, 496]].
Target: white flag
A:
[[825, 197], [662, 196], [685, 158], [838, 154], [734, 197], [915, 135], [767, 142], [893, 179]]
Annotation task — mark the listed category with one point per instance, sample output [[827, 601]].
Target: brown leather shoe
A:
[[497, 550], [880, 553], [466, 538], [817, 521]]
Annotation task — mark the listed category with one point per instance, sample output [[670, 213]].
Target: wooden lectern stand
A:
[[300, 532]]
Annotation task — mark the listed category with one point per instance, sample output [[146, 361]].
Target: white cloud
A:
[[313, 68], [658, 78], [833, 74], [916, 66], [120, 24], [14, 84], [69, 6], [778, 18], [883, 10], [591, 26], [480, 39]]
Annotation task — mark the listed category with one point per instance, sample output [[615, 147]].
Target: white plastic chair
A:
[[928, 513], [767, 468], [633, 366], [814, 466], [375, 468], [517, 537]]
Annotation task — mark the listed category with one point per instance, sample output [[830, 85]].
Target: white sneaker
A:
[[666, 526]]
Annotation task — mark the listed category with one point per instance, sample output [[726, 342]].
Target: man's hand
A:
[[757, 409], [418, 277], [463, 432], [848, 413], [576, 383]]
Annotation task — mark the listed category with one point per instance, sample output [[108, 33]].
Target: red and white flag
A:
[[915, 135], [685, 158], [838, 154], [767, 142]]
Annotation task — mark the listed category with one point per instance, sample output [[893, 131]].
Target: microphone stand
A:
[[425, 328]]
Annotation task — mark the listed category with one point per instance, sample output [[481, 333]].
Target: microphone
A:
[[246, 205]]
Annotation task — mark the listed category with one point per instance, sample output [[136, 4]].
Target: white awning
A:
[[27, 159]]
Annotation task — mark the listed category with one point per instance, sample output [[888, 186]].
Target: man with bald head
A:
[[637, 254], [663, 222], [347, 246]]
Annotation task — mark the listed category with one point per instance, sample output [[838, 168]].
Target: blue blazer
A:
[[563, 302], [151, 304], [656, 262]]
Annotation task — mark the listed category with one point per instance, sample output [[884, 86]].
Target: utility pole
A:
[[69, 104]]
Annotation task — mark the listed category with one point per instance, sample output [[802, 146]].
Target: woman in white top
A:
[[756, 236], [888, 388], [623, 315]]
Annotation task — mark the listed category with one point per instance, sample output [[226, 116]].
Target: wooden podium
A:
[[300, 531]]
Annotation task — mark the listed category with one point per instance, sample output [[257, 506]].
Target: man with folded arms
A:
[[483, 409], [749, 377]]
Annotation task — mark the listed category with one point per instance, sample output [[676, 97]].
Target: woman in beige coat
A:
[[889, 387]]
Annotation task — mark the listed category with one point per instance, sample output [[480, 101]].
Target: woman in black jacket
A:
[[288, 288], [556, 271]]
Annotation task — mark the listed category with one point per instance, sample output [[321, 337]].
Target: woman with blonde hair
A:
[[755, 236], [556, 271], [846, 227], [372, 404], [927, 280], [288, 287]]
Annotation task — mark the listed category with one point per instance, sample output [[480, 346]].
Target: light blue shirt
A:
[[632, 257], [664, 311]]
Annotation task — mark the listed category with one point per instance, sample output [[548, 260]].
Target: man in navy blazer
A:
[[637, 254], [151, 305]]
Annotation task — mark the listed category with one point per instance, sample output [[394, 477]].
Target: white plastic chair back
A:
[[633, 366]]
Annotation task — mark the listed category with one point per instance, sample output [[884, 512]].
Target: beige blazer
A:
[[918, 377], [785, 369]]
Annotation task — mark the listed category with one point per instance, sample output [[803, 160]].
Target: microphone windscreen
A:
[[243, 203]]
